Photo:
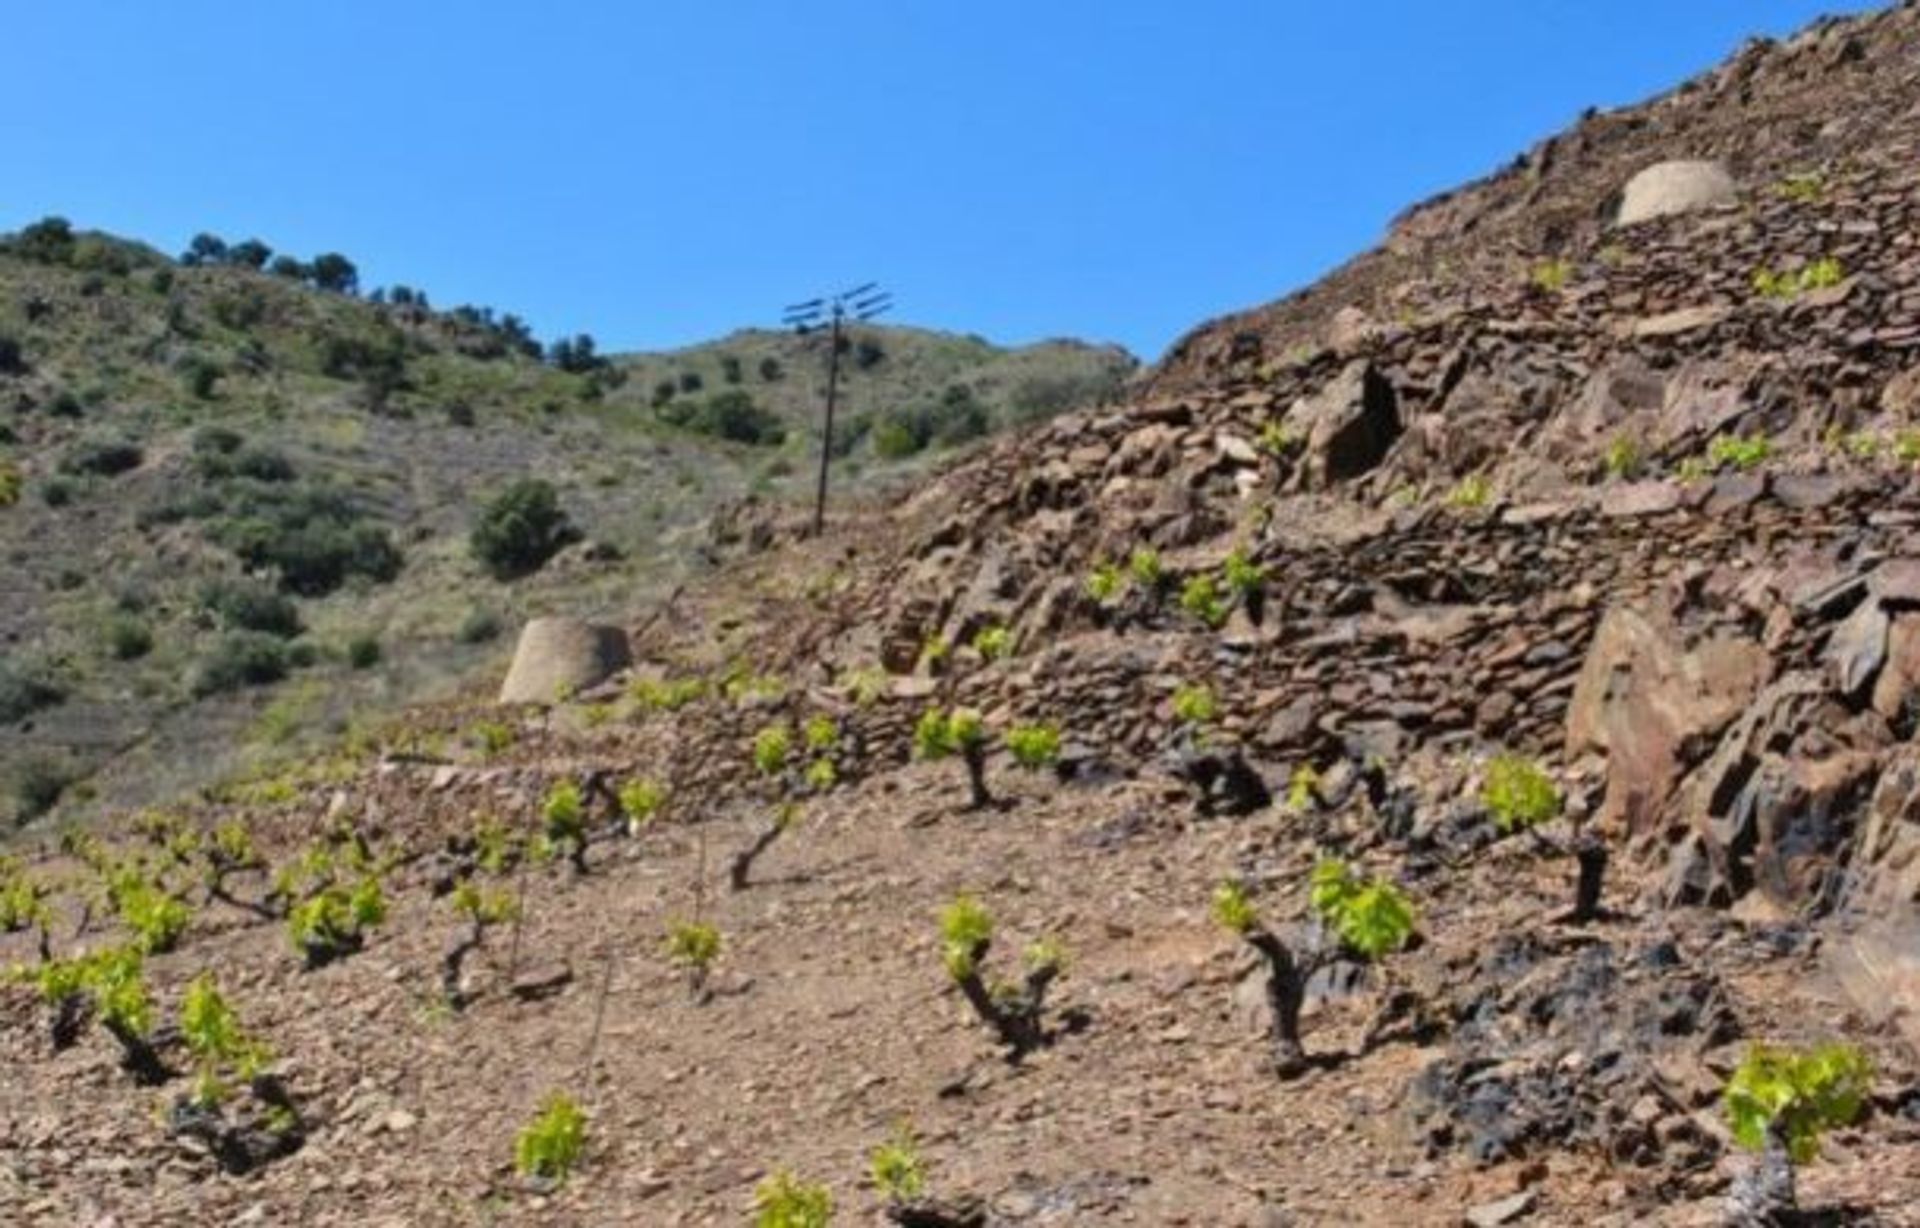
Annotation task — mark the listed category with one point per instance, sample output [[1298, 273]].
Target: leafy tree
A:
[[12, 362], [205, 248], [47, 241], [249, 254], [521, 529], [334, 272], [730, 414], [575, 354], [730, 368], [288, 267], [770, 370], [241, 659], [247, 605]]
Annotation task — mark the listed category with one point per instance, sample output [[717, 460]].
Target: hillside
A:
[[182, 437], [1448, 745], [904, 390]]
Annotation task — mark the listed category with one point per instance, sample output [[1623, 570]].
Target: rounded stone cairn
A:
[[559, 656], [1675, 187]]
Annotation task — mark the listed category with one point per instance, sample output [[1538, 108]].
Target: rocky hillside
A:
[[236, 494], [1441, 759]]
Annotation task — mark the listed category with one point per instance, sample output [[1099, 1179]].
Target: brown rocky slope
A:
[[1592, 494]]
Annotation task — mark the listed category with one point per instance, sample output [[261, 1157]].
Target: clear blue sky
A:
[[657, 173]]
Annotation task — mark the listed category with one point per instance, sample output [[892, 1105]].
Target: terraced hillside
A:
[[1452, 765], [235, 503]]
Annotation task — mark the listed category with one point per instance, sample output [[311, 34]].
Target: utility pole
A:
[[835, 313]]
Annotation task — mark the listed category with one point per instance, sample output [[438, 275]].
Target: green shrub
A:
[[565, 813], [1201, 599], [1279, 439], [966, 927], [477, 626], [11, 483], [1739, 452], [363, 652], [156, 918], [1194, 705], [1034, 746], [1471, 492], [1145, 568], [25, 689], [993, 642], [127, 638], [1233, 910], [1371, 916], [520, 529], [101, 457], [1518, 793], [1623, 457], [1245, 579], [1818, 275], [1551, 276], [550, 1146], [940, 734], [219, 1044], [667, 694], [784, 1201], [37, 783], [1796, 1096], [333, 922], [821, 734], [1106, 581], [1303, 788], [694, 946], [731, 414], [314, 536], [241, 659], [896, 1169], [248, 605], [640, 802], [771, 748]]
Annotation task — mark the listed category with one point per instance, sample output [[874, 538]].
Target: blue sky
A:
[[659, 173]]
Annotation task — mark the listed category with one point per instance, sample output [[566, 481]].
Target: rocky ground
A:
[[1627, 511]]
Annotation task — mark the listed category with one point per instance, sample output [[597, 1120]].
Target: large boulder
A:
[[1667, 188], [1651, 703], [1874, 949], [1348, 425], [559, 656]]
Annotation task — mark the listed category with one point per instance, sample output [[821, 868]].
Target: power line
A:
[[834, 312]]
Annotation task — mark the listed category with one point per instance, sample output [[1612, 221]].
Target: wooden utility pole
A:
[[834, 313]]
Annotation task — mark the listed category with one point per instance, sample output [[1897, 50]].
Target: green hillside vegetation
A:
[[903, 392], [245, 506]]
